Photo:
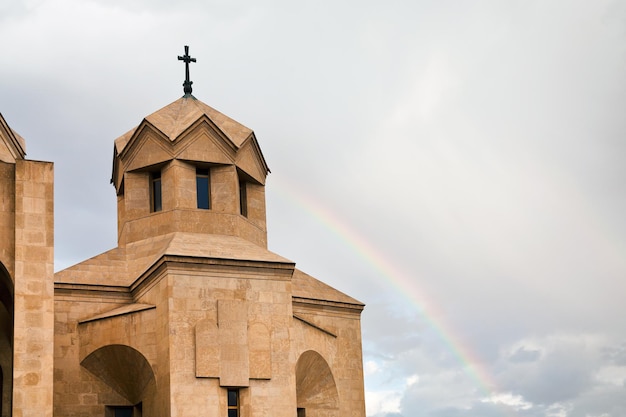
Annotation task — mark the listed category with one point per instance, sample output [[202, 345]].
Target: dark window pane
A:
[[233, 412], [157, 204], [243, 199], [202, 191], [124, 412], [232, 398]]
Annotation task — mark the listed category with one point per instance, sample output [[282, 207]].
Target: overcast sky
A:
[[458, 166]]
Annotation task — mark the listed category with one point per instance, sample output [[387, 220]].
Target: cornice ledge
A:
[[118, 290], [157, 270], [315, 326], [225, 261], [327, 303], [120, 311]]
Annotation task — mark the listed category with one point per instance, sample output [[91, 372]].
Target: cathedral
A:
[[190, 315]]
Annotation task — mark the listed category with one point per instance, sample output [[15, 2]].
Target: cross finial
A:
[[187, 59]]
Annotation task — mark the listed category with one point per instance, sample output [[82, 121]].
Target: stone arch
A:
[[6, 341], [125, 370], [316, 390]]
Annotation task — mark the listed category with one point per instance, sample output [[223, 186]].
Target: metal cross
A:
[[187, 59]]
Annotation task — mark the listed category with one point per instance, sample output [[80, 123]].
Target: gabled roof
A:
[[175, 118], [183, 116], [123, 265], [12, 145], [306, 287]]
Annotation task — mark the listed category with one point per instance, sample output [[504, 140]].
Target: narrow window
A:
[[233, 403], [301, 412], [243, 199], [122, 411], [203, 191], [155, 192], [119, 411]]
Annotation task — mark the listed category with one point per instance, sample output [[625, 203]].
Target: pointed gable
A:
[[176, 118], [251, 161], [12, 145], [148, 150], [205, 145], [308, 288], [235, 131], [188, 129]]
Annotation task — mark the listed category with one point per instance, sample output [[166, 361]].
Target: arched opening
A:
[[316, 391], [129, 373], [6, 342]]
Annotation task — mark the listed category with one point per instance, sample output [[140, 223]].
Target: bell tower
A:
[[189, 168]]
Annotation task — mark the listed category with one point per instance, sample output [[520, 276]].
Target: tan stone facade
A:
[[190, 314], [26, 280]]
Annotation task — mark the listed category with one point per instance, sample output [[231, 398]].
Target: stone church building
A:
[[190, 315]]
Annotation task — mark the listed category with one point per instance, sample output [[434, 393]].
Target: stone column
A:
[[34, 290]]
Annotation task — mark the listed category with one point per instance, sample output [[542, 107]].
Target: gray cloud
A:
[[615, 354], [525, 355], [382, 335]]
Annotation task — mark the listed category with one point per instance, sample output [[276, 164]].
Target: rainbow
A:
[[402, 282]]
